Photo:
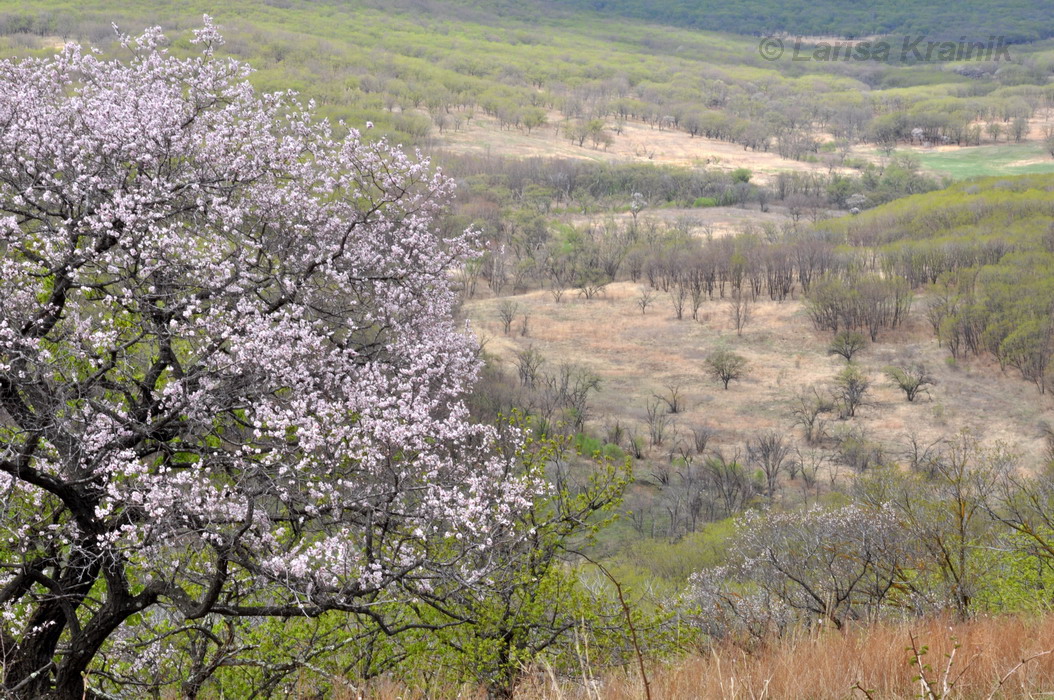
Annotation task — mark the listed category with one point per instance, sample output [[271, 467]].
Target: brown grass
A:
[[638, 142], [721, 221], [830, 665], [978, 659], [636, 356]]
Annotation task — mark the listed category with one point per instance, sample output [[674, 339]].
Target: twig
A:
[[629, 622], [1014, 670], [869, 694]]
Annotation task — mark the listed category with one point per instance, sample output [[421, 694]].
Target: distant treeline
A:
[[1016, 20], [543, 183]]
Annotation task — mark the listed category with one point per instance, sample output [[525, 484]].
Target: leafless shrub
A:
[[701, 437], [646, 299], [507, 313], [658, 421], [858, 452], [740, 310], [672, 398], [615, 433], [528, 363], [924, 457], [808, 409], [769, 452]]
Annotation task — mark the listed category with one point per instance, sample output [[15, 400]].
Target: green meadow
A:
[[977, 161]]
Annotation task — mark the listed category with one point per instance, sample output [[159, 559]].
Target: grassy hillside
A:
[[525, 78], [1011, 159]]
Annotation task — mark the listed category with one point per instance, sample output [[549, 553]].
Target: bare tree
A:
[[730, 481], [808, 463], [851, 388], [810, 405], [740, 310], [569, 389], [646, 298], [527, 364], [679, 297], [924, 457], [507, 313], [672, 398], [658, 421], [769, 452]]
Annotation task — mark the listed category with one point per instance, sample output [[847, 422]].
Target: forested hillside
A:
[[427, 75], [1017, 20]]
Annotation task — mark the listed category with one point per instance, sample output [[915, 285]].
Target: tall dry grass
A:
[[830, 664], [976, 659]]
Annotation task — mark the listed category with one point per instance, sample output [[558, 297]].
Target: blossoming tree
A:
[[230, 383]]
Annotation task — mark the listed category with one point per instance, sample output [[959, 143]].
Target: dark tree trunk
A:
[[28, 672]]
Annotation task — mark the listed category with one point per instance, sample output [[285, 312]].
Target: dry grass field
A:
[[986, 658], [714, 221], [638, 355], [873, 662], [638, 142], [642, 142]]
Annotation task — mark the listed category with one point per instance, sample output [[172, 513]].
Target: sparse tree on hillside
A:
[[851, 388], [533, 118], [912, 380], [808, 409], [740, 310], [846, 344], [770, 452], [725, 366], [647, 296], [507, 310]]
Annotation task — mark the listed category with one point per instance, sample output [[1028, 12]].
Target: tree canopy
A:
[[230, 382]]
